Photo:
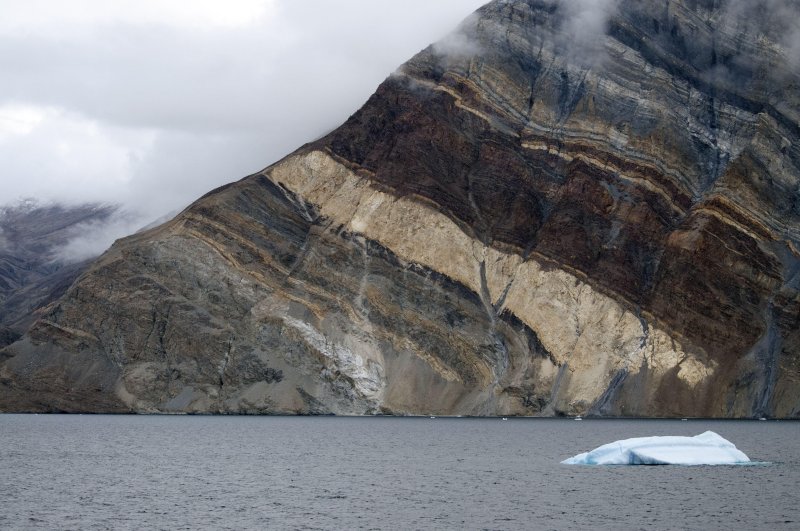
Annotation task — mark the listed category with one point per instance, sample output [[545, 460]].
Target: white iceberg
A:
[[705, 449]]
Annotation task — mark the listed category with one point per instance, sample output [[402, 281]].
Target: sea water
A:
[[193, 472]]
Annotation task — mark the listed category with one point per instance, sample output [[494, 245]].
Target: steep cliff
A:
[[561, 208]]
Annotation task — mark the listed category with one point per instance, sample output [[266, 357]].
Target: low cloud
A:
[[583, 29], [760, 50], [90, 239], [781, 20], [459, 43]]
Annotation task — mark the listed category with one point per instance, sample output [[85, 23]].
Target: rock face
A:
[[561, 208]]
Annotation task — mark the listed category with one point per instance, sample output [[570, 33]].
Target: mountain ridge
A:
[[34, 273]]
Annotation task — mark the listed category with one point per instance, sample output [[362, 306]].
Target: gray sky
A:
[[151, 103]]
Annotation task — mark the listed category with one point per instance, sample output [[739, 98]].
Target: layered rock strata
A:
[[527, 218]]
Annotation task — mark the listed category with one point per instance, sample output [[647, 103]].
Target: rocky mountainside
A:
[[561, 208], [32, 271]]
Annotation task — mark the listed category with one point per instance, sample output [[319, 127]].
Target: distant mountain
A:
[[562, 208], [33, 272]]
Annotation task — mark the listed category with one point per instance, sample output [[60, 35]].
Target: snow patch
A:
[[367, 374]]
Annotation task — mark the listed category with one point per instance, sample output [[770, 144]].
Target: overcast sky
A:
[[151, 103]]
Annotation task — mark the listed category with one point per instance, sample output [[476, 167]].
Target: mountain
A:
[[562, 208], [33, 272]]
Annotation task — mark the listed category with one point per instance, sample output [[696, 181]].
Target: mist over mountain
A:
[[561, 208], [43, 248]]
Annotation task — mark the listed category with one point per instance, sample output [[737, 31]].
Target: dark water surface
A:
[[189, 472]]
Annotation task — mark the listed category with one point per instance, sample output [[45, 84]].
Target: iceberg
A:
[[705, 449]]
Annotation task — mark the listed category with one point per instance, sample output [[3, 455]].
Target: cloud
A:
[[750, 45], [76, 16], [53, 154], [583, 29], [16, 120], [459, 43], [150, 104], [89, 239], [775, 20]]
